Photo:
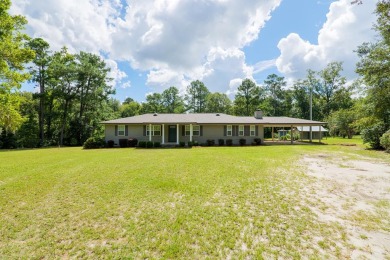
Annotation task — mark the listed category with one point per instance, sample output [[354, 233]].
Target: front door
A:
[[172, 134]]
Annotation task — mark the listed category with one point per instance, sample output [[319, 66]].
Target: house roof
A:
[[313, 129], [211, 118]]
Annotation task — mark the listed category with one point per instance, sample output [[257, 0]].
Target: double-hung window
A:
[[121, 130], [241, 130], [188, 130], [253, 130], [229, 131], [156, 130], [195, 130]]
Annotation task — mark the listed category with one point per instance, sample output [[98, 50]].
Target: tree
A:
[[273, 86], [247, 98], [153, 104], [40, 76], [14, 54], [128, 100], [195, 97], [130, 109], [341, 123], [218, 103], [171, 100], [374, 66]]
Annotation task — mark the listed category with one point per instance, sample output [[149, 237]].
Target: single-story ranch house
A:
[[175, 128]]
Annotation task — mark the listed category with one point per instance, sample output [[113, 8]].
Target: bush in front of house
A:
[[242, 141], [149, 144], [229, 142], [156, 144], [372, 135], [257, 141], [142, 144], [94, 143], [182, 144], [132, 142], [385, 141], [195, 143], [221, 142], [190, 144], [110, 143], [210, 142], [122, 143]]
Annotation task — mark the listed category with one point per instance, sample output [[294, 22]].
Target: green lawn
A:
[[212, 202]]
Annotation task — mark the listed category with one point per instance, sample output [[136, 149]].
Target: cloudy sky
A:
[[151, 45]]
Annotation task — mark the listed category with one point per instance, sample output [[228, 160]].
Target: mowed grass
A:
[[214, 202]]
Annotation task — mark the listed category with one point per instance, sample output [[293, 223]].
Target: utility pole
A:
[[311, 112]]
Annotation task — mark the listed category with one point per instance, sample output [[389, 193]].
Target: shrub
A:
[[122, 143], [385, 140], [189, 144], [94, 143], [229, 142], [210, 142], [257, 141], [195, 143], [253, 143], [221, 142], [182, 144], [142, 144], [242, 141], [149, 144], [373, 134], [110, 143], [132, 142], [156, 144]]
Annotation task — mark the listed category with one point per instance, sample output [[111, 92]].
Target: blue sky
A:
[[153, 44]]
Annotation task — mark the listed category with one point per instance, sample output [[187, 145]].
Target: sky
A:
[[151, 45]]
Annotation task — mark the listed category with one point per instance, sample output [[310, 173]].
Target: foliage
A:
[[142, 144], [123, 143], [372, 135], [156, 144], [257, 141], [221, 142], [94, 143], [14, 54], [195, 143], [172, 102], [182, 144], [190, 144], [273, 86], [149, 144], [229, 142], [242, 141], [385, 141], [210, 142], [7, 140], [247, 98], [218, 103], [110, 143], [153, 104], [342, 123], [132, 142], [196, 97]]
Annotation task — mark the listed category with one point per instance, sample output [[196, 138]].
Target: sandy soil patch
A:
[[356, 195]]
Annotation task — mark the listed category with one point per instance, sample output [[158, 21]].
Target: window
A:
[[195, 130], [156, 130], [121, 130], [229, 130], [241, 130], [253, 130]]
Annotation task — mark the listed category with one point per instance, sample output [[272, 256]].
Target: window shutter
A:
[[246, 130], [126, 130], [116, 130], [224, 130], [235, 130], [257, 130], [201, 130], [144, 130], [183, 130]]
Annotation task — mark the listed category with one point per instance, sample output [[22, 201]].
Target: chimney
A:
[[259, 114]]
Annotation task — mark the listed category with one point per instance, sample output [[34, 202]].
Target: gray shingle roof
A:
[[214, 118]]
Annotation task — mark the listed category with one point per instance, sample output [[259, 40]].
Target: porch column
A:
[[163, 134], [319, 138], [311, 135], [177, 134], [150, 132], [292, 135], [190, 132], [272, 134]]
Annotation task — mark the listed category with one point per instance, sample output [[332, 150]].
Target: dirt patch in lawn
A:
[[356, 195]]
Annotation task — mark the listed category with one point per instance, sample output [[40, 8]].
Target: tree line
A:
[[74, 93]]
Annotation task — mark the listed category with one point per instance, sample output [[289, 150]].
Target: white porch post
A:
[[177, 134], [190, 132], [150, 132], [319, 138], [163, 134], [292, 135]]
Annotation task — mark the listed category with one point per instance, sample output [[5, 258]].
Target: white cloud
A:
[[115, 73], [126, 84], [347, 26]]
